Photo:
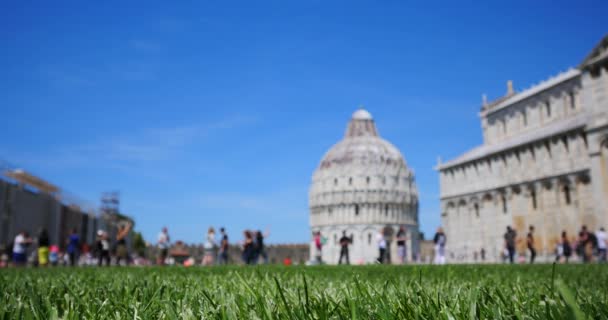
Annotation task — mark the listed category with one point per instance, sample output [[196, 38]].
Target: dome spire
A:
[[361, 124]]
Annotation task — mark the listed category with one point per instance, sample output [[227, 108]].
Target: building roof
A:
[[361, 143], [485, 150], [26, 178], [534, 90], [597, 54]]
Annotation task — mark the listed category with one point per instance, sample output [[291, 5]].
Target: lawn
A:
[[273, 292]]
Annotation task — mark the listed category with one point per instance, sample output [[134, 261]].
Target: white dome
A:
[[362, 184], [362, 114]]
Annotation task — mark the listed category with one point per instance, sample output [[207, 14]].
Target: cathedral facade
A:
[[362, 186], [543, 162]]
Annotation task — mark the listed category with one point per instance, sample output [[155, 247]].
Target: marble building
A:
[[543, 162], [363, 185]]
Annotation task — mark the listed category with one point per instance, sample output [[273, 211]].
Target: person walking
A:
[[381, 241], [602, 242], [344, 243], [440, 241], [248, 250], [20, 244], [401, 239], [530, 243], [163, 244], [260, 248], [73, 247], [122, 252], [586, 244], [43, 247], [318, 241], [566, 247], [103, 248], [223, 250], [209, 247], [510, 237]]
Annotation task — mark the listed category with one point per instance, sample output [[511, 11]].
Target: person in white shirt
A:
[[381, 246], [20, 247], [602, 241], [163, 246], [440, 240], [209, 247]]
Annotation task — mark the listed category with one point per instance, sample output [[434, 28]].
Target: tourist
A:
[[287, 261], [566, 247], [260, 249], [440, 241], [530, 243], [510, 237], [22, 241], [223, 251], [54, 255], [122, 252], [318, 240], [209, 247], [401, 251], [103, 248], [163, 243], [344, 243], [73, 247], [581, 242], [248, 250], [482, 253], [43, 247], [602, 241], [587, 243], [381, 241]]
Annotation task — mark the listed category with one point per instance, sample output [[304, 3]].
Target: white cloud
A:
[[134, 152]]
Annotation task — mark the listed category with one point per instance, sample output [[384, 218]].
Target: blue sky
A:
[[217, 113]]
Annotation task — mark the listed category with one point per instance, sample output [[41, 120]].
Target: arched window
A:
[[367, 180], [386, 210], [548, 108], [572, 100], [350, 181], [567, 194], [533, 196], [504, 203], [335, 181], [369, 238], [356, 209], [476, 206]]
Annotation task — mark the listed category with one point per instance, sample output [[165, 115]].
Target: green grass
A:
[[371, 292]]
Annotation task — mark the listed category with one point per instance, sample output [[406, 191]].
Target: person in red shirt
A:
[[287, 261]]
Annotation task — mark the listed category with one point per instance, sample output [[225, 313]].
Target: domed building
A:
[[362, 186]]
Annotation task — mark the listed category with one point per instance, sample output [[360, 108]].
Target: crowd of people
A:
[[39, 251], [215, 247], [382, 242], [587, 247]]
